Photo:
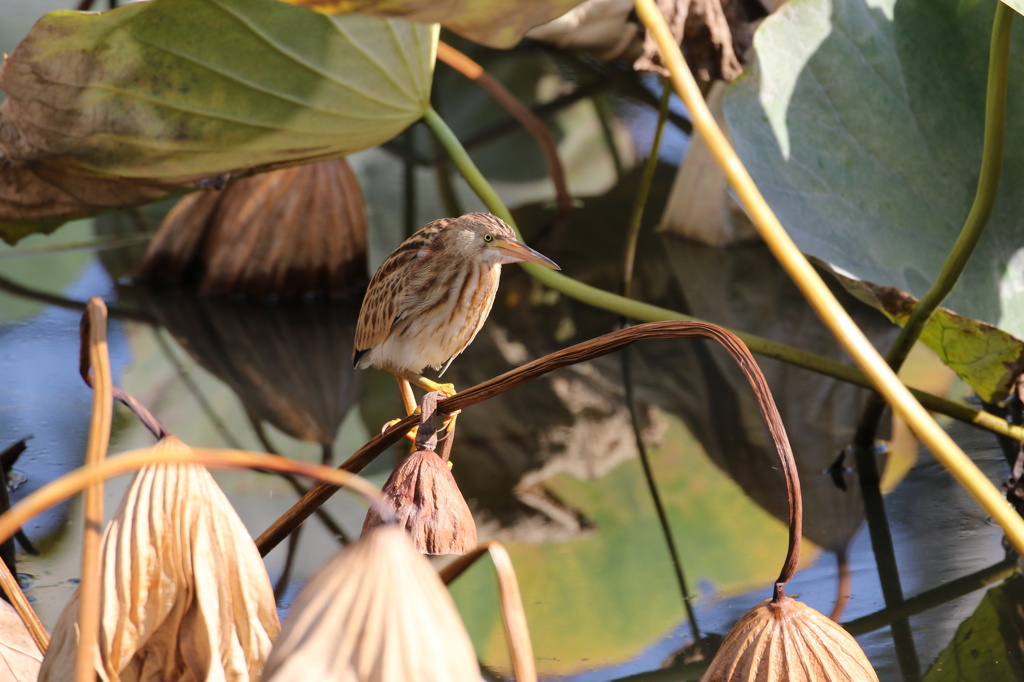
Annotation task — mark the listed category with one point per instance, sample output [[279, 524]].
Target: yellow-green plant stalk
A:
[[817, 293]]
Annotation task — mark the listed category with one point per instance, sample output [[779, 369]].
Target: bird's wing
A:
[[380, 306]]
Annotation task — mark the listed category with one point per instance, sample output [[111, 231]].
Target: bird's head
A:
[[490, 239]]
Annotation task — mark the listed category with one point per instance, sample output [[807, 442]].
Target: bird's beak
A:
[[521, 252]]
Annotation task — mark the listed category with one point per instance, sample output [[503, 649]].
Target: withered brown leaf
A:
[[185, 595]]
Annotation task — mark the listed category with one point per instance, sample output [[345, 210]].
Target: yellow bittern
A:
[[431, 296]]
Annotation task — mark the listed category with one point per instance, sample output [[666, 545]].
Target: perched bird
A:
[[431, 296]]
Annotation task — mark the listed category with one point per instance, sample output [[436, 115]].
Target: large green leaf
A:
[[862, 124], [120, 107]]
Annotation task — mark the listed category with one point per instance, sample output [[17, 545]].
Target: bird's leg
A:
[[405, 378], [408, 399]]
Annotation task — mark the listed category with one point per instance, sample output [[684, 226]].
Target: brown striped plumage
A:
[[431, 296]]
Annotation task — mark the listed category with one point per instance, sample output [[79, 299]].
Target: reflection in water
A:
[[743, 288], [289, 364]]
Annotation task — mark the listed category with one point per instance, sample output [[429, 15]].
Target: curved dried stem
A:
[[9, 583], [581, 352], [513, 616], [76, 481], [526, 118], [94, 364]]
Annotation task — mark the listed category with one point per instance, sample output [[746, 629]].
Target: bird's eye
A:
[[488, 238]]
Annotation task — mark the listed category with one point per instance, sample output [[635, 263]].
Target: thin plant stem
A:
[[817, 292], [9, 583], [645, 312], [992, 147], [98, 375], [76, 481], [629, 258], [659, 507], [519, 111], [937, 596], [646, 180], [513, 615], [871, 415]]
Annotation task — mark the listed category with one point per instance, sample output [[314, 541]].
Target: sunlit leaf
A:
[[375, 613], [987, 358], [19, 655], [1015, 4], [862, 124], [121, 107], [185, 595], [495, 24]]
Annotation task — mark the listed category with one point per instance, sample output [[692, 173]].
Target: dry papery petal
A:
[[375, 613], [292, 231], [185, 595], [789, 641], [19, 655], [428, 503]]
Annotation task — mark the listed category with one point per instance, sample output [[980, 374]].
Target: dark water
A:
[[549, 469]]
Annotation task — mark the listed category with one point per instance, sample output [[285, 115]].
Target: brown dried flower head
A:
[[427, 501], [787, 641], [377, 612], [291, 231]]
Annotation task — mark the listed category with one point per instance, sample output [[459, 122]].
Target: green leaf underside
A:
[[862, 124], [185, 88], [985, 357]]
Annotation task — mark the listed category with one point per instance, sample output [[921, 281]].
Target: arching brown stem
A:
[[581, 352], [526, 118]]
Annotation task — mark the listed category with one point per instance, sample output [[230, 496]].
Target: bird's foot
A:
[[410, 434], [449, 419], [447, 389]]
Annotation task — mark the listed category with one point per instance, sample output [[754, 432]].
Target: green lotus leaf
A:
[[862, 124], [124, 106]]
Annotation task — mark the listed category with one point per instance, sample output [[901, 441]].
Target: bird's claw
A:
[[410, 434], [449, 418]]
